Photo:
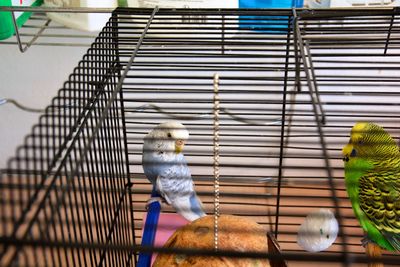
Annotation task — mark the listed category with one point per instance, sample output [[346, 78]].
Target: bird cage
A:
[[276, 91]]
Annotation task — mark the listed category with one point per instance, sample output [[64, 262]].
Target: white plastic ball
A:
[[318, 231]]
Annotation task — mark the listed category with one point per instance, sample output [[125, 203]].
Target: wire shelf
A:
[[292, 83]]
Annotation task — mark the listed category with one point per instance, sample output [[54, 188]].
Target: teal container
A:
[[270, 24], [6, 23]]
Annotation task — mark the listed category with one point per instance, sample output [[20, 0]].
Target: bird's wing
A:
[[189, 207], [380, 201], [176, 186], [175, 181]]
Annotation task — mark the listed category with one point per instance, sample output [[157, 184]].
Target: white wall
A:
[[31, 78]]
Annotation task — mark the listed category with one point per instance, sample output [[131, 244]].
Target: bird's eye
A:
[[169, 135], [360, 142]]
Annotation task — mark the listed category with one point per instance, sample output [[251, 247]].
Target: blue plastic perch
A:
[[149, 233]]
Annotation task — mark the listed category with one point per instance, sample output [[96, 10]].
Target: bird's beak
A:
[[346, 151], [179, 145]]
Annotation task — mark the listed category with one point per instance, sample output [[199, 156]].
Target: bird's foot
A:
[[366, 240], [154, 199]]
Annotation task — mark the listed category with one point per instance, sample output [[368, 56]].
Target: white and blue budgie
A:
[[165, 166]]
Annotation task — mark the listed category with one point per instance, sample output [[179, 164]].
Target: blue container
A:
[[270, 24]]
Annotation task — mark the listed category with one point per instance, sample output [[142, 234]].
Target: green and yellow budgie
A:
[[372, 176]]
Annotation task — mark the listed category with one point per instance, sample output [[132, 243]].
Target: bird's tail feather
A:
[[393, 239], [189, 207]]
